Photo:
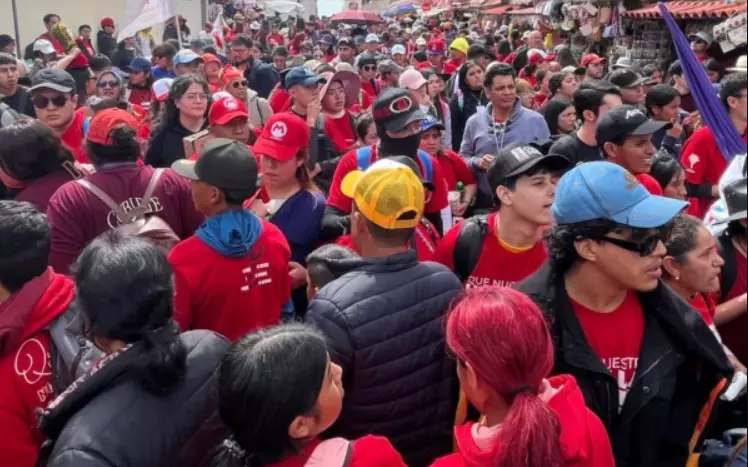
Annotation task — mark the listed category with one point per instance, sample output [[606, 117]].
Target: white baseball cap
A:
[[421, 41], [398, 49], [44, 46], [255, 26], [372, 39]]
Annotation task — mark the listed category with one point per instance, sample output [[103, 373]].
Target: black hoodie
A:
[[168, 146], [106, 44]]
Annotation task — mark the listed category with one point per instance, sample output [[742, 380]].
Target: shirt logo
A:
[[278, 130], [693, 159], [634, 113]]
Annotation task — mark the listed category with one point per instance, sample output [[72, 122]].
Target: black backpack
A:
[[727, 251], [469, 246]]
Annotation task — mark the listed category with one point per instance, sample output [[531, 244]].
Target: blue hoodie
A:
[[483, 137]]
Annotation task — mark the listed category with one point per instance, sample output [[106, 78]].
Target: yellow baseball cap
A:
[[460, 44], [385, 192]]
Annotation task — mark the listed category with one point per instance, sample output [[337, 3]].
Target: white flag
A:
[[142, 14], [218, 29]]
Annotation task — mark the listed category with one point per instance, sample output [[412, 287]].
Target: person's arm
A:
[[64, 62], [730, 310], [335, 223], [447, 137], [467, 150]]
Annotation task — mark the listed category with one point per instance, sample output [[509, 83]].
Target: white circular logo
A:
[[278, 130], [231, 104]]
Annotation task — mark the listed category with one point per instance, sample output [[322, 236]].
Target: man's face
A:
[[738, 105], [236, 129], [436, 59], [372, 46], [368, 72], [85, 33], [53, 108], [10, 49], [240, 54], [187, 68], [304, 96], [279, 62], [636, 155], [53, 21], [681, 83], [633, 95], [699, 46], [596, 70], [345, 52], [238, 89], [400, 59], [669, 112], [628, 268], [609, 101], [109, 30], [9, 79], [531, 198], [503, 92], [535, 41], [163, 62], [129, 42]]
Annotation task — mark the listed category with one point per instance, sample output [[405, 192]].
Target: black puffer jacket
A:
[[122, 425], [384, 320]]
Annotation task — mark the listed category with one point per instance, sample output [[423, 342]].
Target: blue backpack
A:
[[363, 158]]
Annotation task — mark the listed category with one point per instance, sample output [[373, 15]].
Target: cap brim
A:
[[737, 70], [185, 168], [309, 82], [275, 150], [52, 86], [348, 185], [638, 82], [231, 116], [398, 124], [429, 126], [553, 162], [650, 127], [650, 213], [738, 216]]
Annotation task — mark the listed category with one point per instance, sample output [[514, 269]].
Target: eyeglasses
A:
[[368, 68], [107, 84], [196, 96], [239, 84], [644, 247], [42, 102]]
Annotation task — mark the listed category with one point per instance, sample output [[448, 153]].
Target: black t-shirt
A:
[[571, 147], [21, 102]]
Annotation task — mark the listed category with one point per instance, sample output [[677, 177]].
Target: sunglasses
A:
[[42, 102], [643, 247], [107, 84], [369, 68], [239, 84]]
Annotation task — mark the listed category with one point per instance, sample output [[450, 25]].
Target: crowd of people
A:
[[311, 244]]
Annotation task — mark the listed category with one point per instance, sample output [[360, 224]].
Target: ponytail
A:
[[529, 435], [164, 362]]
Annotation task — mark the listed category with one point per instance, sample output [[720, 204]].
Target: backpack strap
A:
[[124, 217], [363, 156], [469, 246], [348, 455], [729, 270], [428, 166]]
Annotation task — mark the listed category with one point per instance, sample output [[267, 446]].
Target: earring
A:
[[676, 278]]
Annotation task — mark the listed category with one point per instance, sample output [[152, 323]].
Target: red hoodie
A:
[[369, 451], [584, 441], [25, 365]]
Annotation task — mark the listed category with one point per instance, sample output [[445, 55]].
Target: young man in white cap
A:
[[700, 43]]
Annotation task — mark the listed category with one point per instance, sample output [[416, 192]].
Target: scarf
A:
[[232, 233]]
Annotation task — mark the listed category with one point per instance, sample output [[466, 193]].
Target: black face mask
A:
[[389, 146]]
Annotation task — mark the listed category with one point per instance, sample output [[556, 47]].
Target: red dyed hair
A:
[[504, 337]]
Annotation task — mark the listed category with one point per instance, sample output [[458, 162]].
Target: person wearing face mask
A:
[[398, 121]]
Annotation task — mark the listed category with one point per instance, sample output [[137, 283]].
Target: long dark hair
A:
[[125, 293], [441, 97], [124, 147], [258, 405], [551, 112], [664, 168], [170, 114], [30, 150]]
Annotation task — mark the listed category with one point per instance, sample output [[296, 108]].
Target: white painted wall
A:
[[77, 12]]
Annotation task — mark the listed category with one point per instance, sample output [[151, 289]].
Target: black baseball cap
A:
[[518, 159], [394, 109], [223, 163], [54, 79], [347, 42], [626, 78], [624, 121]]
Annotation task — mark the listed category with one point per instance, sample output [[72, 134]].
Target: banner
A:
[[142, 14]]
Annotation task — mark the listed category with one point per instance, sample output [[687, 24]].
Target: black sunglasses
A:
[[368, 68], [643, 247], [107, 84], [41, 102], [239, 84]]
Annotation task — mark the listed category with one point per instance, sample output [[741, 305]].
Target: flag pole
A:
[[179, 31], [16, 28]]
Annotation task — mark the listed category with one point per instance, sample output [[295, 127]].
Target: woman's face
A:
[[256, 52], [334, 99], [677, 187], [435, 85], [568, 86], [545, 82], [567, 121], [656, 77], [431, 140], [714, 76], [212, 70], [108, 86], [525, 99], [279, 173], [700, 269], [368, 72], [474, 77], [194, 102], [330, 400], [371, 136]]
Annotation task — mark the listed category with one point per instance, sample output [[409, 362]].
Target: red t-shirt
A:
[[370, 89], [341, 131], [363, 103], [276, 38], [455, 169], [140, 96], [231, 296], [426, 241], [616, 337], [704, 163], [733, 333], [705, 306], [280, 100], [650, 184], [435, 202], [452, 65], [497, 265], [73, 138]]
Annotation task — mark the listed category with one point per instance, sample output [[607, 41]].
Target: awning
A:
[[524, 11], [690, 10], [500, 10]]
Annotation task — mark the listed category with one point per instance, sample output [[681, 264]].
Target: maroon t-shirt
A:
[[39, 191], [77, 216]]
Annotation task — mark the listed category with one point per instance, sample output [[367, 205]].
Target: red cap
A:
[[226, 109], [282, 137], [210, 58], [435, 47], [230, 74], [591, 58], [107, 22], [104, 122]]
